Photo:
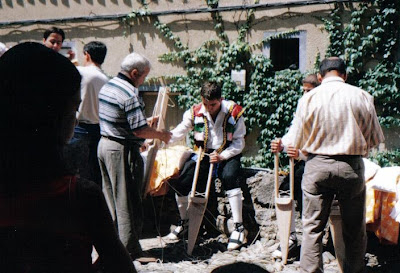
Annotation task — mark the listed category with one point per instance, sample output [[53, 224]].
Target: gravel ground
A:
[[210, 252]]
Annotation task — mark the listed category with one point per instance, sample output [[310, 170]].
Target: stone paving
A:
[[210, 252]]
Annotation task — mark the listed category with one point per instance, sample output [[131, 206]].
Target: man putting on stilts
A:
[[219, 129]]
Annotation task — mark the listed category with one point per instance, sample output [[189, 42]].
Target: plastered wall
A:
[[141, 36]]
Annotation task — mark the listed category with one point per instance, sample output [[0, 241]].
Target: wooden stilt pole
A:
[[284, 209], [335, 224], [160, 110], [197, 205]]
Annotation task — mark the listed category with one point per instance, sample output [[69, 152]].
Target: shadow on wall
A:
[[10, 4]]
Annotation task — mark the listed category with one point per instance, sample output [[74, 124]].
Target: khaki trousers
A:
[[121, 168], [324, 177]]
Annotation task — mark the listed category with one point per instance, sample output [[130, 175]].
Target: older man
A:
[[336, 124], [123, 128]]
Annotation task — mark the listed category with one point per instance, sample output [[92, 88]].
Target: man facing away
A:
[[336, 125], [218, 128], [277, 145], [123, 128], [88, 129]]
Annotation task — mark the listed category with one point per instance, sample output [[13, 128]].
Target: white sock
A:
[[235, 197], [182, 202]]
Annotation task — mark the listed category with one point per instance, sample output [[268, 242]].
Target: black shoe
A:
[[238, 237]]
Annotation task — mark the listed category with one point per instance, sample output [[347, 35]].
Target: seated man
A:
[[219, 128]]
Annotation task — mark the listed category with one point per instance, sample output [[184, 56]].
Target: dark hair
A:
[[51, 30], [311, 79], [97, 51], [332, 63], [211, 91], [31, 111], [239, 267]]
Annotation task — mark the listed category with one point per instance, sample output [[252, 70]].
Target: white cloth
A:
[[93, 80], [395, 213], [371, 169], [216, 136], [386, 179]]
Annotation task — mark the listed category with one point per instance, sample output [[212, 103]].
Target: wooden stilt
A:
[[284, 209], [335, 224], [160, 110], [197, 205]]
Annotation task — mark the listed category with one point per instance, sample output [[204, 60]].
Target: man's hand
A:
[[292, 152], [151, 133], [152, 121], [276, 145], [145, 145], [215, 157], [165, 136], [71, 54]]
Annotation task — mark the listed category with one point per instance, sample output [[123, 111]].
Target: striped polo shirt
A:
[[336, 118], [120, 109]]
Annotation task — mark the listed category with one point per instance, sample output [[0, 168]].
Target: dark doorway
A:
[[285, 53]]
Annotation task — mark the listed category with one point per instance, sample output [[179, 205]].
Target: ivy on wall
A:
[[269, 97], [368, 44]]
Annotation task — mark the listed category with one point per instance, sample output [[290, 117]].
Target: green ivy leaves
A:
[[369, 44]]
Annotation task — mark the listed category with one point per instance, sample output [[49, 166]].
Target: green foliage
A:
[[383, 82], [270, 106], [269, 98], [369, 44], [387, 158]]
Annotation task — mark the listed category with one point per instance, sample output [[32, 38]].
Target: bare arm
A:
[[151, 133]]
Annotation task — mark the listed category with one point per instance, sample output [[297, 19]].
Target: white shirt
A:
[[93, 80], [285, 142], [216, 135]]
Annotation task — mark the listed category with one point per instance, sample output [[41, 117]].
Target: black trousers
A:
[[228, 171], [298, 176]]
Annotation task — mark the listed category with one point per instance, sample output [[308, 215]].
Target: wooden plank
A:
[[335, 224], [196, 171], [160, 110], [284, 209], [197, 206]]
